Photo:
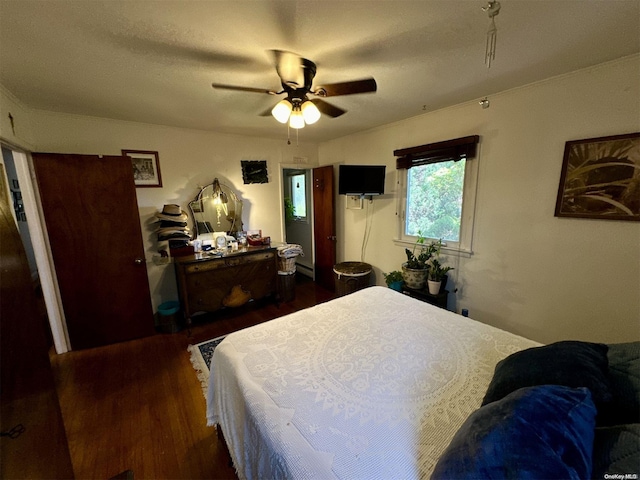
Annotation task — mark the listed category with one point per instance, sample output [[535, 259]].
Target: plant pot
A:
[[414, 278], [397, 286], [434, 286]]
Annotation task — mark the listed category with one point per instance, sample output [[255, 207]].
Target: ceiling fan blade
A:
[[327, 108], [243, 89], [290, 68], [267, 112], [346, 88]]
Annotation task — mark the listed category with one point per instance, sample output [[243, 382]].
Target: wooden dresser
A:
[[205, 281]]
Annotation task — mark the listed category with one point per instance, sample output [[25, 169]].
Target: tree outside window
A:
[[434, 200], [299, 195]]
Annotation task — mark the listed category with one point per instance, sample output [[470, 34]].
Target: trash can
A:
[[286, 286], [351, 276], [169, 317]]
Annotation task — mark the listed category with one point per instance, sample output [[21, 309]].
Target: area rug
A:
[[201, 355]]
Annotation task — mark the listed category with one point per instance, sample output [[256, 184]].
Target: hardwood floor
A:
[[138, 405]]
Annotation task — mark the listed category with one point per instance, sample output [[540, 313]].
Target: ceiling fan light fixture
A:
[[296, 120], [296, 77], [310, 112], [282, 111]]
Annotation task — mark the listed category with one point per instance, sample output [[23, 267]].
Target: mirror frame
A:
[[218, 194]]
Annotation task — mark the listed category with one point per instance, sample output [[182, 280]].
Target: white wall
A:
[[544, 277], [189, 159], [19, 133], [534, 274]]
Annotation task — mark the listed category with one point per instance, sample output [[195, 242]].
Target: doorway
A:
[[19, 215], [28, 395], [298, 215], [311, 221], [36, 246]]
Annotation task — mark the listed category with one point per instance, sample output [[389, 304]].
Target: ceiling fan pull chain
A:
[[492, 9], [490, 52]]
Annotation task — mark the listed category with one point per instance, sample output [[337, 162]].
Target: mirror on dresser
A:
[[217, 209], [227, 275]]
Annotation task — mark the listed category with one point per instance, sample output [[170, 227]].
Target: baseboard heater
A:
[[304, 270]]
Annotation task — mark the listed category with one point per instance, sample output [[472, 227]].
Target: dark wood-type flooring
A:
[[139, 406]]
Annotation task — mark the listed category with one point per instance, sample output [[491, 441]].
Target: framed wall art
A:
[[601, 178], [254, 171], [146, 167]]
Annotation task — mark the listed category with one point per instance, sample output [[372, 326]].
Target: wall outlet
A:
[[354, 202]]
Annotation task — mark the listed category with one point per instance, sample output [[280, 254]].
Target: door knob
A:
[[331, 237], [138, 261]]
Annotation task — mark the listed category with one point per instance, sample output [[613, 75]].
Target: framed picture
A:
[[146, 167], [601, 178], [254, 171]]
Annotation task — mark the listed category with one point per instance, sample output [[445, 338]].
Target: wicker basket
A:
[[287, 265]]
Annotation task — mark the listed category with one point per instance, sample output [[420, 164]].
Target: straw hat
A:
[[172, 213], [237, 297], [172, 209]]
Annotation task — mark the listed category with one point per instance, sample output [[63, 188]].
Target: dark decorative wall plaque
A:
[[254, 171]]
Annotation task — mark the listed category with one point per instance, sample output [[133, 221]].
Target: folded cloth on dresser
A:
[[290, 250]]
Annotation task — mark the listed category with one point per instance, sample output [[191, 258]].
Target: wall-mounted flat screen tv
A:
[[361, 179]]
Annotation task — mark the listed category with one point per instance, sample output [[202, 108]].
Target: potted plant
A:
[[289, 210], [437, 273], [414, 270], [394, 280]]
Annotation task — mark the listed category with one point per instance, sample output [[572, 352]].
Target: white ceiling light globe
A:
[[282, 110], [296, 120], [310, 112]]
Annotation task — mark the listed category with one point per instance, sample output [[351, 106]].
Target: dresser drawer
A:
[[204, 285], [225, 262]]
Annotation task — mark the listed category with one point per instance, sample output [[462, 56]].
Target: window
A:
[[299, 195], [437, 192], [434, 200]]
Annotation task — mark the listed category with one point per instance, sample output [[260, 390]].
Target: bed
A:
[[379, 385], [370, 385]]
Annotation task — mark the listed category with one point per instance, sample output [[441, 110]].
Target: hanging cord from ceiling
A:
[[492, 9], [367, 229], [289, 136]]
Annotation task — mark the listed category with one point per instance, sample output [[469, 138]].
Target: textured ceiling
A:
[[154, 61]]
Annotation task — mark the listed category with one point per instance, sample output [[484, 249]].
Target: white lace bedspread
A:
[[370, 385]]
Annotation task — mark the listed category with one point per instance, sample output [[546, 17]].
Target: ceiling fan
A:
[[296, 76]]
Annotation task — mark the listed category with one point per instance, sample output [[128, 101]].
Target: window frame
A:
[[464, 247], [290, 176]]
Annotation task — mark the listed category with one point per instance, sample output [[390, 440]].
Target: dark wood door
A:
[[324, 224], [28, 394], [92, 219]]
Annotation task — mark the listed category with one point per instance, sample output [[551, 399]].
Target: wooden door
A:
[[324, 223], [28, 394], [91, 214]]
